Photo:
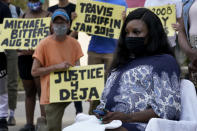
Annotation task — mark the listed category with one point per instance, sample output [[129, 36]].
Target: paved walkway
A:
[[69, 115]]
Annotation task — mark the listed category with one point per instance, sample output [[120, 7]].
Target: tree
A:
[[20, 3], [23, 4]]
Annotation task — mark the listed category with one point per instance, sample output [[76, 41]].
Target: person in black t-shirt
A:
[[63, 4], [69, 8], [31, 84], [4, 13], [12, 65]]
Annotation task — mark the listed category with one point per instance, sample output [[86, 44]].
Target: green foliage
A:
[[23, 4], [20, 3]]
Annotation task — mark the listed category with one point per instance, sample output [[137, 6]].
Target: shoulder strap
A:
[[24, 15], [18, 11]]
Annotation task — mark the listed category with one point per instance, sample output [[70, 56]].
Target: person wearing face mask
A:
[[151, 3], [101, 49], [180, 55], [69, 8], [12, 81], [31, 84], [66, 52], [144, 79], [4, 13]]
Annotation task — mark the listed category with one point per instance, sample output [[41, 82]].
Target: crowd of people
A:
[[142, 72]]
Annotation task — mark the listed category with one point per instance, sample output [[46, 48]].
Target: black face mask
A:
[[136, 45]]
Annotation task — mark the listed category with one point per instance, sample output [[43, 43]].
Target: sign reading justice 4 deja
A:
[[77, 84], [23, 33], [98, 18]]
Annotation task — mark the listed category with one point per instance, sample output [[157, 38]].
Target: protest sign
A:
[[77, 84], [23, 33], [167, 15], [98, 18], [1, 50], [1, 29]]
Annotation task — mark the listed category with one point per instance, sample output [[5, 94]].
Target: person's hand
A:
[[88, 100], [73, 15], [27, 52], [63, 65], [124, 15], [193, 58], [110, 116], [195, 63], [193, 66], [176, 26]]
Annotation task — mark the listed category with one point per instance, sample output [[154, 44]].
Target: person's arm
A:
[[21, 12], [142, 116], [39, 70], [124, 15], [73, 34], [176, 26], [184, 44], [77, 63]]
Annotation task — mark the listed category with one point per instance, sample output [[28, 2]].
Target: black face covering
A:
[[136, 45]]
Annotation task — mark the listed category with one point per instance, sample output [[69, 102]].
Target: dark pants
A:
[[54, 114], [12, 81], [78, 106]]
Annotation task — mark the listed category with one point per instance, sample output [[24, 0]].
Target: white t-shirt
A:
[[193, 19], [13, 11], [178, 4]]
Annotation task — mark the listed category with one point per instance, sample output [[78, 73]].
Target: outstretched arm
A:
[[185, 46]]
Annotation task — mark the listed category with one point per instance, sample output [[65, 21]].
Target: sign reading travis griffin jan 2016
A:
[[98, 18], [77, 84], [23, 33]]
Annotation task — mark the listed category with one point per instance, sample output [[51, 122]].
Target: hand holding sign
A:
[[63, 65], [26, 52], [176, 26], [73, 15], [124, 15]]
